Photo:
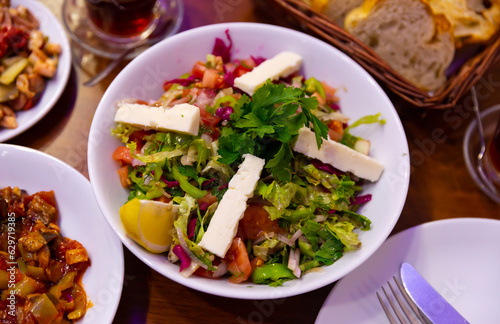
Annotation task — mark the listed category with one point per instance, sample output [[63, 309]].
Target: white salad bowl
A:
[[359, 95]]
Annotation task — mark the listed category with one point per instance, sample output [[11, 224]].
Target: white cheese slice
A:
[[224, 223], [281, 65], [338, 155], [183, 118], [247, 175]]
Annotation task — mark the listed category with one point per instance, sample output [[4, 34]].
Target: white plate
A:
[[459, 257], [50, 27], [359, 95], [79, 219]]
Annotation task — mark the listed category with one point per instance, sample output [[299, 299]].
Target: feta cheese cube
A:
[[182, 118], [281, 65], [338, 155], [224, 223]]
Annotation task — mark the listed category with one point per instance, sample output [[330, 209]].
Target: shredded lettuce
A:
[[123, 131], [348, 139], [344, 231]]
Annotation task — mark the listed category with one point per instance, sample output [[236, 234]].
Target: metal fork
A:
[[409, 308]]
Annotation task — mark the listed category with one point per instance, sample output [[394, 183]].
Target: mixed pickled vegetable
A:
[[27, 60], [40, 270]]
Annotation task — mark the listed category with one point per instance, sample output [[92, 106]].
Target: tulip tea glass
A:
[[482, 151]]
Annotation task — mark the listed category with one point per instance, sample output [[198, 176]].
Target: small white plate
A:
[[50, 27], [79, 219], [459, 257]]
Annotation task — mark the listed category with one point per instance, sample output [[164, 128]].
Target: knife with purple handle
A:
[[429, 301]]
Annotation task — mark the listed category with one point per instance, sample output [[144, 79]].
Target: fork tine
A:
[[416, 312], [386, 311], [411, 316], [393, 306]]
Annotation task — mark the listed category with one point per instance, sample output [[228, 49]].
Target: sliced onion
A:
[[190, 270], [296, 235], [290, 241], [262, 238], [136, 162], [293, 262], [183, 243], [319, 218], [207, 138], [147, 180], [166, 194], [221, 270]]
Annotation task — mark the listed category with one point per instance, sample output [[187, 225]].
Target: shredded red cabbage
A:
[[361, 199], [183, 256], [170, 184], [203, 206], [258, 60], [229, 78], [326, 167], [334, 106], [183, 82], [220, 48], [207, 182], [191, 228], [224, 112]]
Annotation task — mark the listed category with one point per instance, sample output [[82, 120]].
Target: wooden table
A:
[[440, 186]]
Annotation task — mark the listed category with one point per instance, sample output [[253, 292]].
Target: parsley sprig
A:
[[266, 125]]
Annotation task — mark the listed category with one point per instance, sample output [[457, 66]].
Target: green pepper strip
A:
[[313, 85], [185, 185], [306, 249], [43, 310], [65, 283], [271, 272], [295, 216]]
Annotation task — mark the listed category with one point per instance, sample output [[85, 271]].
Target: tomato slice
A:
[[336, 130], [124, 180], [256, 221], [238, 261], [138, 136], [199, 69], [208, 199], [122, 155], [240, 70]]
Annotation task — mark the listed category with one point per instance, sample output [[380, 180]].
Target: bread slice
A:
[[474, 21], [416, 43], [337, 10]]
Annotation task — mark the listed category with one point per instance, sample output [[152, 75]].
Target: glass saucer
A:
[[74, 15], [472, 147]]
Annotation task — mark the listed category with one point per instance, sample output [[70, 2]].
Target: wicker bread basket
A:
[[457, 85]]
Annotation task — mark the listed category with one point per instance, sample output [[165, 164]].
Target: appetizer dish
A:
[[40, 269], [27, 61], [245, 169]]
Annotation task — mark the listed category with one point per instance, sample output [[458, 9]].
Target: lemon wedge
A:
[[149, 223]]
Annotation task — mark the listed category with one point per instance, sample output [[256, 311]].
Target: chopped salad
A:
[[235, 194]]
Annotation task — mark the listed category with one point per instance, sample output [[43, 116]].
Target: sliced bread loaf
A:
[[337, 10], [414, 41]]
